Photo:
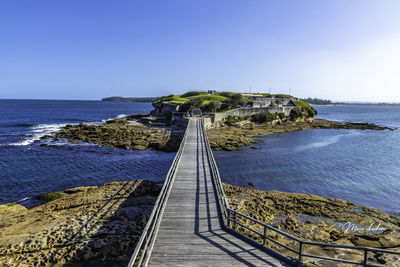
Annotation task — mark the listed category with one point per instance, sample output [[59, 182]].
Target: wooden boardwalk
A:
[[191, 232]]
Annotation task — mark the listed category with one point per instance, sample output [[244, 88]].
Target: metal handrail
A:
[[232, 223], [144, 247], [223, 200]]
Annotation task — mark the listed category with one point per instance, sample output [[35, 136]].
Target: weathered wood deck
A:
[[191, 232]]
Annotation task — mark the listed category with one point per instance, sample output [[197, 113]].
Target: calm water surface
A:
[[359, 166]]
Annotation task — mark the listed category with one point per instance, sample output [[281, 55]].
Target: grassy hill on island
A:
[[218, 101]]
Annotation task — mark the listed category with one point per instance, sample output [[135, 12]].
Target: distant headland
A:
[[129, 99]]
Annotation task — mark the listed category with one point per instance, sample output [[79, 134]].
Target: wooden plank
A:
[[190, 233]]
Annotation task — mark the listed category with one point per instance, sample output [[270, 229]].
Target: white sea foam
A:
[[37, 132], [117, 117], [22, 200]]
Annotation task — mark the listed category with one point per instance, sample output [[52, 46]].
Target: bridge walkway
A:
[[190, 231]]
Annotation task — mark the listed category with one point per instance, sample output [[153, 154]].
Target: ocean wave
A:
[[117, 117], [22, 200], [38, 131]]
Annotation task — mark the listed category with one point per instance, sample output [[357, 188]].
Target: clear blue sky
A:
[[88, 49]]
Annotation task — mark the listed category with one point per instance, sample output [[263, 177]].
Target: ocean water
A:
[[27, 169], [359, 166]]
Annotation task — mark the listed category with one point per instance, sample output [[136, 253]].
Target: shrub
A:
[[211, 106], [281, 115], [263, 117], [225, 106], [312, 112], [190, 105], [232, 119], [278, 102], [295, 113], [227, 94]]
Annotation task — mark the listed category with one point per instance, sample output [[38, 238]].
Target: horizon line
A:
[[332, 101]]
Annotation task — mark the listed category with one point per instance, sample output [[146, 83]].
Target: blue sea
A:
[[359, 166], [27, 169]]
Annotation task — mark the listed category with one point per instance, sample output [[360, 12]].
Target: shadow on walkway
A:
[[216, 235]]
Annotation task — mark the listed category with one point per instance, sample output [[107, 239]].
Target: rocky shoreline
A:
[[130, 132], [234, 136], [104, 223], [142, 131]]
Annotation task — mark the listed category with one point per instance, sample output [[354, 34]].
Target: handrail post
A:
[[365, 257], [265, 235], [301, 252], [235, 221]]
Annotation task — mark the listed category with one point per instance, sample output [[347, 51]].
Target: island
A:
[[232, 120]]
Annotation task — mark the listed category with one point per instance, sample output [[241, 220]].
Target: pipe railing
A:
[[144, 247], [231, 221], [222, 199]]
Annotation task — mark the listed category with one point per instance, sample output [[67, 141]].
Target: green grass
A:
[[265, 94], [210, 97], [276, 95], [194, 93], [178, 100], [301, 104]]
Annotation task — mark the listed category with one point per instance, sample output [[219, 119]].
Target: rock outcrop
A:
[[122, 134], [95, 223]]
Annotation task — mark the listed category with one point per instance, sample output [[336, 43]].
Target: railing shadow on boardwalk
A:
[[222, 231], [121, 217]]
